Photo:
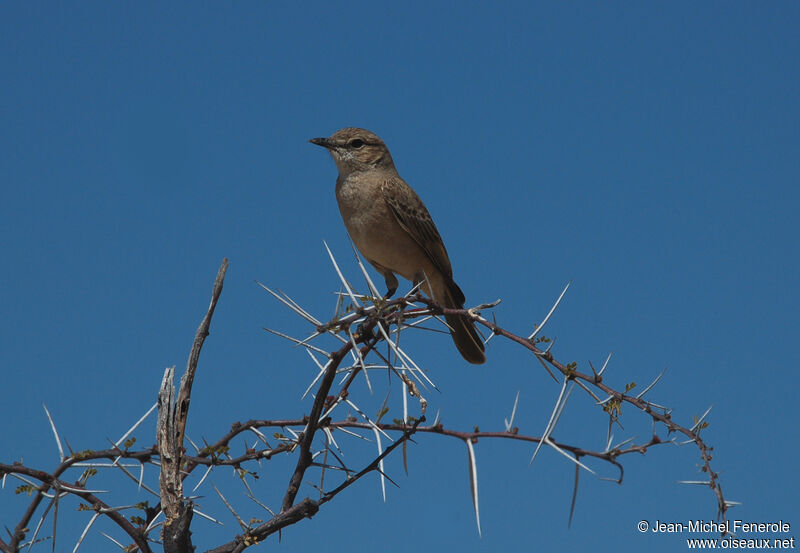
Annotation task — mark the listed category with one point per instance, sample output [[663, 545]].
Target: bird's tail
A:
[[463, 331]]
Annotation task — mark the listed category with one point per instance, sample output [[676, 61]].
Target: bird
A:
[[393, 230]]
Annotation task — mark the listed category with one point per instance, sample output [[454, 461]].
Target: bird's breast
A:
[[374, 228]]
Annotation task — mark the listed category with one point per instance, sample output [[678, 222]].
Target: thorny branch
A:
[[614, 401], [308, 507], [304, 458], [363, 326], [51, 481]]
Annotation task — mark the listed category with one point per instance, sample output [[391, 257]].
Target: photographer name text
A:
[[725, 527]]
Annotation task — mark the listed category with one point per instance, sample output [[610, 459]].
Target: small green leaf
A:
[[25, 488]]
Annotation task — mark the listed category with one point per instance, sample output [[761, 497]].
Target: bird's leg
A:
[[391, 284], [421, 281], [388, 276]]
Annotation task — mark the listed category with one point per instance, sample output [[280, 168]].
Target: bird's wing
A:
[[417, 222]]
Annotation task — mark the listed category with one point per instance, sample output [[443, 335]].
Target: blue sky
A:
[[646, 151]]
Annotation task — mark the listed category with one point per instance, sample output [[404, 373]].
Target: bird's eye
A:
[[357, 143]]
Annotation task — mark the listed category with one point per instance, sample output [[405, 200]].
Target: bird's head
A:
[[355, 149]]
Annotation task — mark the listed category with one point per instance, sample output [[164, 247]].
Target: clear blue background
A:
[[646, 151]]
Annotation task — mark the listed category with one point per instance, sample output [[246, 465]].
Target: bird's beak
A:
[[324, 142]]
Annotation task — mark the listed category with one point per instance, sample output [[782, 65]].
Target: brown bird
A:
[[391, 227]]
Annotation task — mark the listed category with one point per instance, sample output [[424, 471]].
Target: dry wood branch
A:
[[194, 355], [171, 429]]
